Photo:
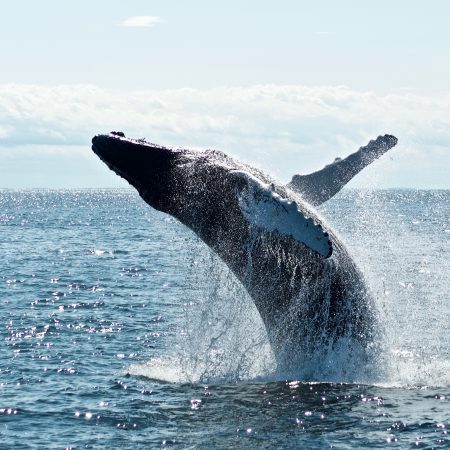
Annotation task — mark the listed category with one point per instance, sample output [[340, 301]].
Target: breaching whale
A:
[[305, 285]]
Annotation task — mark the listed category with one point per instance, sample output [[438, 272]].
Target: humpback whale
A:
[[304, 283]]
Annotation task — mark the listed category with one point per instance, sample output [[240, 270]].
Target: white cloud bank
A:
[[141, 21], [284, 129]]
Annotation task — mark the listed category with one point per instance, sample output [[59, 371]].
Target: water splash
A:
[[222, 337], [393, 239], [225, 337]]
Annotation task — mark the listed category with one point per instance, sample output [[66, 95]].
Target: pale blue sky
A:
[[309, 81]]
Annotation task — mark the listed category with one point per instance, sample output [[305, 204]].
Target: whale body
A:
[[307, 289]]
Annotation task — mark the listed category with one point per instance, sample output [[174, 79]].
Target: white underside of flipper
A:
[[267, 210]]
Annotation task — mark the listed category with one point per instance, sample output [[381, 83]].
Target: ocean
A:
[[120, 330]]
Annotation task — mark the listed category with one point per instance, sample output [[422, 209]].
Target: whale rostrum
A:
[[306, 287]]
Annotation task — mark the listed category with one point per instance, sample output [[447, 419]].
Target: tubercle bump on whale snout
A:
[[111, 134]]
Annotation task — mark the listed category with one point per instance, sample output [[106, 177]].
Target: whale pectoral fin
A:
[[318, 187], [267, 211]]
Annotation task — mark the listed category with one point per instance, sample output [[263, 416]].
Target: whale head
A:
[[145, 166], [185, 183]]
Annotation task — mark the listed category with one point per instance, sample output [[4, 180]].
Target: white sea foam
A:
[[168, 369]]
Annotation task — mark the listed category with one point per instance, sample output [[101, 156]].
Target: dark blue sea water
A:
[[118, 329]]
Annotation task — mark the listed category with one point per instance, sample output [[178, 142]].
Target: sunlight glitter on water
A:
[[144, 329]]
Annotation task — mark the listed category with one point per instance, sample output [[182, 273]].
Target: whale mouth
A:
[[128, 157], [106, 147], [145, 165], [100, 141]]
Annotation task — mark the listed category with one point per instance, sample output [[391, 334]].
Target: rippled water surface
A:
[[118, 329]]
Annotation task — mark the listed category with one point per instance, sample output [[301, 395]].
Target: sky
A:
[[286, 86]]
